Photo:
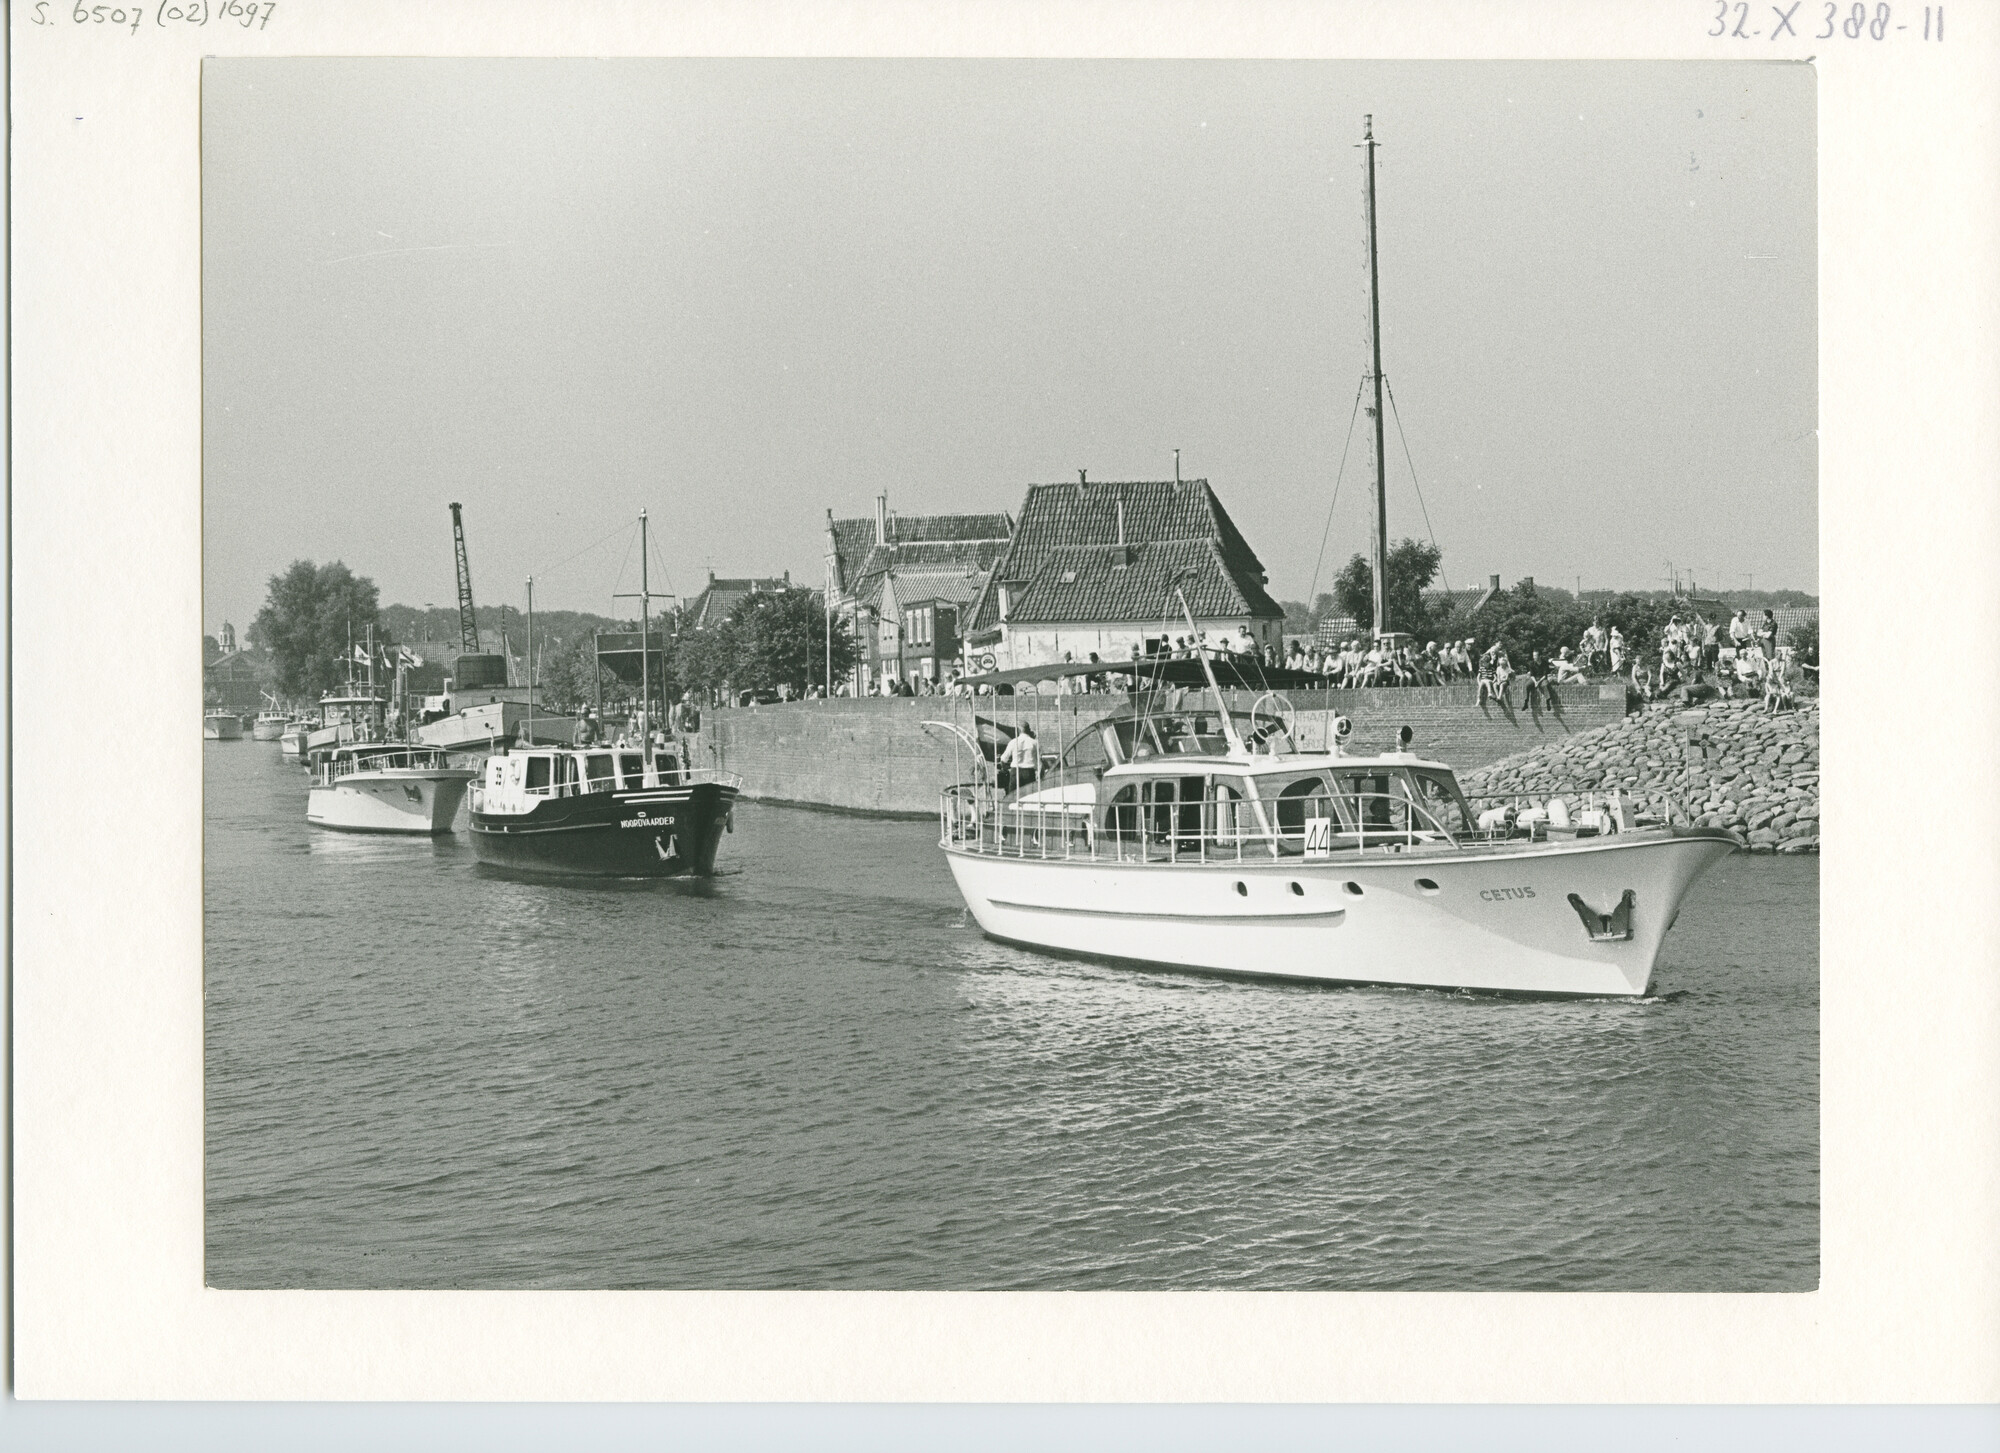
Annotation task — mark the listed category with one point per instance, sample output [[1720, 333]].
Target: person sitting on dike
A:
[[1538, 689]]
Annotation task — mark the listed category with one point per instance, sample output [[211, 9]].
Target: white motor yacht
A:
[[1205, 841]]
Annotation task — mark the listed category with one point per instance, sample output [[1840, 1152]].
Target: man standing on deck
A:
[[1020, 759]]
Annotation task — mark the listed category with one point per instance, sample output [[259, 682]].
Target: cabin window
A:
[[538, 774], [1439, 797], [1300, 800], [1172, 809], [597, 767], [1383, 807], [1088, 751], [632, 766], [1121, 819], [1231, 816]]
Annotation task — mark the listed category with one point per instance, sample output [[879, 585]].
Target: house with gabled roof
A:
[[902, 582], [1100, 568], [720, 597]]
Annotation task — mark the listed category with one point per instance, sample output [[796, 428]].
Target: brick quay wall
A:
[[876, 755]]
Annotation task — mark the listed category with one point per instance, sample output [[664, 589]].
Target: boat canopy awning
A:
[[618, 652], [1241, 672]]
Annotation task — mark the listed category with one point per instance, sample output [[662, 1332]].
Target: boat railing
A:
[[979, 818], [1576, 806], [663, 777], [332, 769]]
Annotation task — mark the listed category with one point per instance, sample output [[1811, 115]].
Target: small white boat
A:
[[292, 740], [385, 787], [270, 723], [222, 726]]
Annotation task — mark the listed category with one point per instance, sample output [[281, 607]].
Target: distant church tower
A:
[[227, 640]]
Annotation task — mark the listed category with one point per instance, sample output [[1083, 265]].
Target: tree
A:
[[568, 677], [784, 641], [1803, 638], [707, 659], [310, 614], [1413, 565]]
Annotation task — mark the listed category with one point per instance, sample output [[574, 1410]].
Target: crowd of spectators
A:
[[1693, 659]]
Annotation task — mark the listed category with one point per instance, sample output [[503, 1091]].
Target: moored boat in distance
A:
[[602, 812], [270, 722], [222, 726], [385, 787]]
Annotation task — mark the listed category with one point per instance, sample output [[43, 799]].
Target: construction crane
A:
[[468, 629]]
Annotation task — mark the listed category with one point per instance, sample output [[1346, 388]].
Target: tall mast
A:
[[531, 658], [1380, 544], [645, 639], [645, 642]]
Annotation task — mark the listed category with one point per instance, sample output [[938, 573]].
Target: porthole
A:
[[1354, 888], [1298, 890], [1242, 891], [1427, 885]]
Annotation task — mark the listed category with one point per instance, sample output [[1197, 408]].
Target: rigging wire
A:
[[1398, 413], [660, 560], [630, 541], [594, 544], [1312, 596]]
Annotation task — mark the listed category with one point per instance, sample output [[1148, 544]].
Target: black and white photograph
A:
[[995, 675]]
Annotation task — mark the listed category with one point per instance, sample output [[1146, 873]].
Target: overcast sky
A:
[[739, 293]]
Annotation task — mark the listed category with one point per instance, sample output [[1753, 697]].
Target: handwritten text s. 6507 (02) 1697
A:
[[248, 14]]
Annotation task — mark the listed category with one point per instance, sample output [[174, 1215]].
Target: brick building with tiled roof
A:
[[1095, 567], [902, 582]]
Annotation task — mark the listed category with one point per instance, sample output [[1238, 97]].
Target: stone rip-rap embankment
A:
[[1721, 764]]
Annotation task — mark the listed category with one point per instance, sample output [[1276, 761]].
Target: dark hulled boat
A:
[[600, 812]]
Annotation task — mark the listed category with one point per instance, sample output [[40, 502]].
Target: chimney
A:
[[882, 518], [1493, 583], [1121, 519], [788, 580], [1528, 582]]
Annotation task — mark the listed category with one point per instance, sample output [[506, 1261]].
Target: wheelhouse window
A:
[[1121, 818], [632, 767], [1089, 752], [1378, 797], [1440, 798], [537, 779], [1300, 799], [597, 768], [1232, 819]]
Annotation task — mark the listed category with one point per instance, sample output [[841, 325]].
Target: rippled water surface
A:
[[815, 1072]]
